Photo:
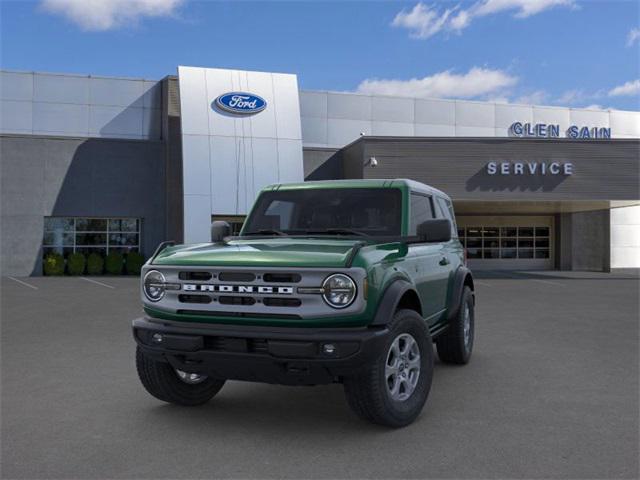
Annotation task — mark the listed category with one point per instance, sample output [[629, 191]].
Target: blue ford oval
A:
[[241, 103]]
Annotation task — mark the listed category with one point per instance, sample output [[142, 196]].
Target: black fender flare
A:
[[457, 287], [390, 300]]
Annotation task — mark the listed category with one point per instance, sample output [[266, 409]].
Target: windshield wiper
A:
[[338, 231], [267, 231]]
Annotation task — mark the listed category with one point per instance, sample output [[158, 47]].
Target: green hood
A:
[[271, 252]]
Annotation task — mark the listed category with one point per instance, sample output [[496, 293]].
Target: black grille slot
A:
[[258, 345], [236, 277], [196, 276], [207, 313], [194, 298], [282, 302], [227, 300], [282, 277]]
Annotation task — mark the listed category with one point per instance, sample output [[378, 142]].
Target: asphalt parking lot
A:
[[551, 392]]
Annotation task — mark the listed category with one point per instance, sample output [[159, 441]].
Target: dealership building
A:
[[106, 164]]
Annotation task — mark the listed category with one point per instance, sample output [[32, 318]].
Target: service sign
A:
[[240, 103]]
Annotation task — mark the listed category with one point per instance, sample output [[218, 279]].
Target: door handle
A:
[[444, 261]]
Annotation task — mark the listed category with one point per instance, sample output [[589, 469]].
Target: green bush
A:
[[134, 262], [95, 264], [53, 264], [113, 263], [76, 263]]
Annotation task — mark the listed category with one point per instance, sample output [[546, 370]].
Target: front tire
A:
[[394, 388], [173, 386], [456, 343]]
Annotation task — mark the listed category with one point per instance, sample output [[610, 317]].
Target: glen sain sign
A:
[[547, 130], [240, 103]]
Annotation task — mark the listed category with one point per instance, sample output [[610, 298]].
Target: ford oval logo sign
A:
[[240, 103]]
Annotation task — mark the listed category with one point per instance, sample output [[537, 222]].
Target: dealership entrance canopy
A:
[[95, 164]]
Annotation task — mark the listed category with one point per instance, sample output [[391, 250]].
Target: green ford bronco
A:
[[344, 281]]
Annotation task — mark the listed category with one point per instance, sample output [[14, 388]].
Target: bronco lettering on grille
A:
[[262, 289]]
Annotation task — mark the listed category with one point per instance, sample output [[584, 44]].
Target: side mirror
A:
[[219, 230], [437, 230]]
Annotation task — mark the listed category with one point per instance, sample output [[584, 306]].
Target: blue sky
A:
[[558, 52]]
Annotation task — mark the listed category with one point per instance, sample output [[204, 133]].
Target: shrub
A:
[[113, 263], [134, 262], [76, 263], [95, 264], [53, 264]]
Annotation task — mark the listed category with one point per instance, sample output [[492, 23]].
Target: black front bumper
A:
[[290, 356]]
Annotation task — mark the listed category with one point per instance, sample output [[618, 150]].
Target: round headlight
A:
[[339, 290], [153, 285]]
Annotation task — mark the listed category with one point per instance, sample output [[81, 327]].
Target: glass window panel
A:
[[542, 242], [542, 253], [525, 243], [508, 253], [525, 232], [508, 231], [116, 239], [491, 243], [474, 253], [542, 231], [508, 243], [123, 225], [91, 225], [58, 223], [474, 232], [91, 239], [420, 211], [525, 253], [47, 250], [58, 237], [474, 242], [461, 232], [491, 253], [490, 232]]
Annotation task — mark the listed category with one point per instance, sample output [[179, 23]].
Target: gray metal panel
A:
[[313, 104], [16, 86], [16, 117], [435, 112], [603, 170], [389, 109], [349, 106], [44, 176], [314, 130], [116, 92], [61, 89], [115, 121], [61, 118]]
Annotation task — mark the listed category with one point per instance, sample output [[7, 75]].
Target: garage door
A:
[[509, 243]]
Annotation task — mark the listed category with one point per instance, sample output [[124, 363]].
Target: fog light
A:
[[329, 348], [157, 338]]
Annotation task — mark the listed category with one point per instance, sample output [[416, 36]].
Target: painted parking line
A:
[[24, 283], [98, 283]]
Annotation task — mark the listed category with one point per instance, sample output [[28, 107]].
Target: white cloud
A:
[[595, 106], [423, 21], [538, 97], [633, 36], [475, 83], [100, 15], [629, 88]]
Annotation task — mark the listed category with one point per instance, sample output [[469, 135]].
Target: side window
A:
[[445, 210], [421, 210]]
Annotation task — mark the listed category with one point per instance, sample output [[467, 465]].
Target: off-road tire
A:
[[161, 381], [451, 345], [367, 392]]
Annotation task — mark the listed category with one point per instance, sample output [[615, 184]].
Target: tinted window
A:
[[373, 211], [420, 211], [446, 211]]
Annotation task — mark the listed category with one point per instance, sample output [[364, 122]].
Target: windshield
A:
[[337, 211]]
